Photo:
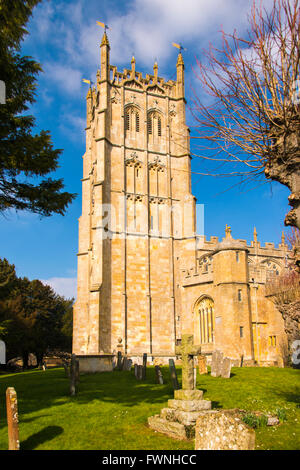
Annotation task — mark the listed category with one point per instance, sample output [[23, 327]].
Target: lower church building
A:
[[144, 276]]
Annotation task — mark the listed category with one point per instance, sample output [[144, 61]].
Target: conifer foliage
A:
[[26, 157]]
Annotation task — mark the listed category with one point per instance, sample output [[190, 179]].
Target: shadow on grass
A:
[[289, 396], [122, 387], [39, 390], [46, 434]]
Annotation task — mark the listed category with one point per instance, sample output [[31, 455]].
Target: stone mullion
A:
[[202, 327], [209, 325]]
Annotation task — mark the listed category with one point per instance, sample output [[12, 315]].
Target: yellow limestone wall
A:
[[140, 264]]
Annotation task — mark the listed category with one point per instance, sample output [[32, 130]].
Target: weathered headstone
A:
[[136, 370], [173, 374], [216, 363], [67, 369], [77, 371], [140, 372], [2, 352], [73, 375], [188, 350], [120, 361], [144, 366], [128, 364], [12, 419], [124, 363], [223, 430], [226, 368], [158, 375], [202, 365]]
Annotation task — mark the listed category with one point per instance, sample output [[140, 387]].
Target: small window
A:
[[237, 255], [241, 332], [149, 125], [132, 120], [159, 127], [272, 341], [127, 121], [151, 222], [240, 295]]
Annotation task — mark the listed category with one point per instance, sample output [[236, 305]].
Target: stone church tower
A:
[[144, 276], [136, 193]]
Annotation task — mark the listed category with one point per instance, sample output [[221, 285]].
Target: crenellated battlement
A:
[[263, 261], [121, 78]]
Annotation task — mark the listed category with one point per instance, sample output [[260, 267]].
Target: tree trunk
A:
[[284, 166], [39, 359], [25, 357]]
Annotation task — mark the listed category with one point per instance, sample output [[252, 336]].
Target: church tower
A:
[[138, 215]]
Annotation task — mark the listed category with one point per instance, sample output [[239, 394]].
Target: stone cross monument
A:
[[187, 350]]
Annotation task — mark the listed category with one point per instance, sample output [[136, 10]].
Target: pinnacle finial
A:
[[228, 231], [282, 238], [155, 69], [255, 235], [180, 59], [105, 41], [133, 65]]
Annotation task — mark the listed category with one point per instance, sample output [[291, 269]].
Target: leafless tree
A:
[[251, 115]]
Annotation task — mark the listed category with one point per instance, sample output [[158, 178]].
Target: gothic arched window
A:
[[205, 310], [132, 120], [154, 124]]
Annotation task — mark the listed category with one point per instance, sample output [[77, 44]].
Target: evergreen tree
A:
[[25, 158]]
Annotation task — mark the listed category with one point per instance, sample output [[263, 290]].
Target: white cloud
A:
[[143, 27], [72, 126], [66, 77], [66, 286]]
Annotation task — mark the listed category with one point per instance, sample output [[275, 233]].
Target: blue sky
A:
[[65, 39]]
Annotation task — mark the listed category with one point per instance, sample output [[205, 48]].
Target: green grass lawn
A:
[[110, 410]]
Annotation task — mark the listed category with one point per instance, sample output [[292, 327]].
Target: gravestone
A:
[[67, 369], [127, 363], [136, 370], [173, 374], [12, 419], [144, 366], [73, 375], [139, 372], [2, 352], [77, 371], [158, 375], [220, 366], [179, 419], [202, 365], [226, 368], [119, 362], [124, 363], [188, 350], [223, 430], [216, 363], [242, 360]]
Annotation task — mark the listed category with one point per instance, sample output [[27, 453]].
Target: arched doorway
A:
[[205, 317]]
